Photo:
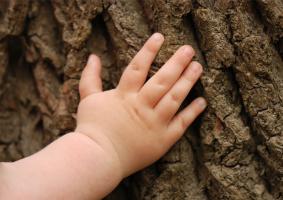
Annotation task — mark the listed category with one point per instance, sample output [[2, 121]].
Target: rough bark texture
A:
[[233, 151]]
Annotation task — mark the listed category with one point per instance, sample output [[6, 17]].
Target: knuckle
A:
[[151, 48], [163, 79], [183, 123], [175, 97], [187, 84], [175, 134], [161, 85], [188, 79], [134, 66]]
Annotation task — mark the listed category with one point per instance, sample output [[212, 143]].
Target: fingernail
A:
[[90, 59], [195, 67], [202, 102], [157, 36], [188, 50]]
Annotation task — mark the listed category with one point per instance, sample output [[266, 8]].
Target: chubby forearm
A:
[[72, 167]]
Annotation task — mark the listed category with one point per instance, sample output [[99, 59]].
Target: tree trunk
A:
[[233, 151]]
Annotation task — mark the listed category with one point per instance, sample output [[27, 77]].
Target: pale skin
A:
[[119, 131]]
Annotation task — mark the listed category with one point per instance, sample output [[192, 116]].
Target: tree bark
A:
[[234, 150]]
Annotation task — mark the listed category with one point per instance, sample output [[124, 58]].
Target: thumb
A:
[[90, 79]]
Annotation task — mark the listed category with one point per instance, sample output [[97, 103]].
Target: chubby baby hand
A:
[[137, 122]]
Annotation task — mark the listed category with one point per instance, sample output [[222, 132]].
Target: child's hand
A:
[[136, 123], [122, 130]]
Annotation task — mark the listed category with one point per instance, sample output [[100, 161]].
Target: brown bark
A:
[[233, 151]]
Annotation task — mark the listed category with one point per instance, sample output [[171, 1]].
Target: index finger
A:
[[136, 72]]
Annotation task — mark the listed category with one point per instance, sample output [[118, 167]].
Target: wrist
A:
[[101, 139], [107, 150]]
